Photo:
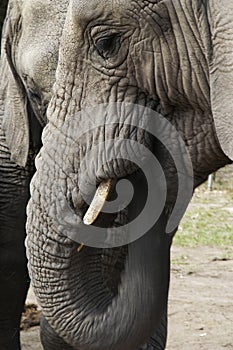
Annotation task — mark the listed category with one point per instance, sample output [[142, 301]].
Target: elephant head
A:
[[111, 61], [28, 65]]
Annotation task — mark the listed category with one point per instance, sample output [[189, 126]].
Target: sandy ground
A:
[[200, 303], [201, 300]]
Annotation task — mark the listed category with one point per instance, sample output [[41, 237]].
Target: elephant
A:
[[79, 77]]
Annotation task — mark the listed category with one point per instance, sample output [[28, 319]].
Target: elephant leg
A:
[[159, 339], [14, 280], [14, 283], [49, 338]]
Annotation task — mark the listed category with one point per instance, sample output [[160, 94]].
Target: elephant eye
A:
[[106, 46]]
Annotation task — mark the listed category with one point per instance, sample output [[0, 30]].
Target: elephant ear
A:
[[221, 71], [12, 93], [3, 7]]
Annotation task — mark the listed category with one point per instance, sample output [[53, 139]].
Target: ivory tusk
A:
[[98, 201], [80, 247]]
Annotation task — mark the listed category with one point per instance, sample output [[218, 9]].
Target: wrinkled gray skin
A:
[[177, 54]]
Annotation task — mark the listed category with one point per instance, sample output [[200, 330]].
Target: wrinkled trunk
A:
[[79, 305], [99, 299], [221, 71]]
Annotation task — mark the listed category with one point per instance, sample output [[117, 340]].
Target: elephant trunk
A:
[[221, 70], [76, 297]]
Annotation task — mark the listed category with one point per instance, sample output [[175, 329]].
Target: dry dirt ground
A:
[[200, 302]]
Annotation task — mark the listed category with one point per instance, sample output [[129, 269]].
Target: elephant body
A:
[[93, 74]]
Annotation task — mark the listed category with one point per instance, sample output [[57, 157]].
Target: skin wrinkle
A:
[[152, 86], [194, 140], [90, 276], [163, 80], [182, 47], [202, 59], [176, 60]]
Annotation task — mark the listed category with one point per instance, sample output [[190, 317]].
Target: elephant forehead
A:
[[81, 13], [87, 10], [43, 9]]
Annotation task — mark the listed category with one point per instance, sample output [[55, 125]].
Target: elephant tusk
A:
[[98, 201], [80, 247]]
